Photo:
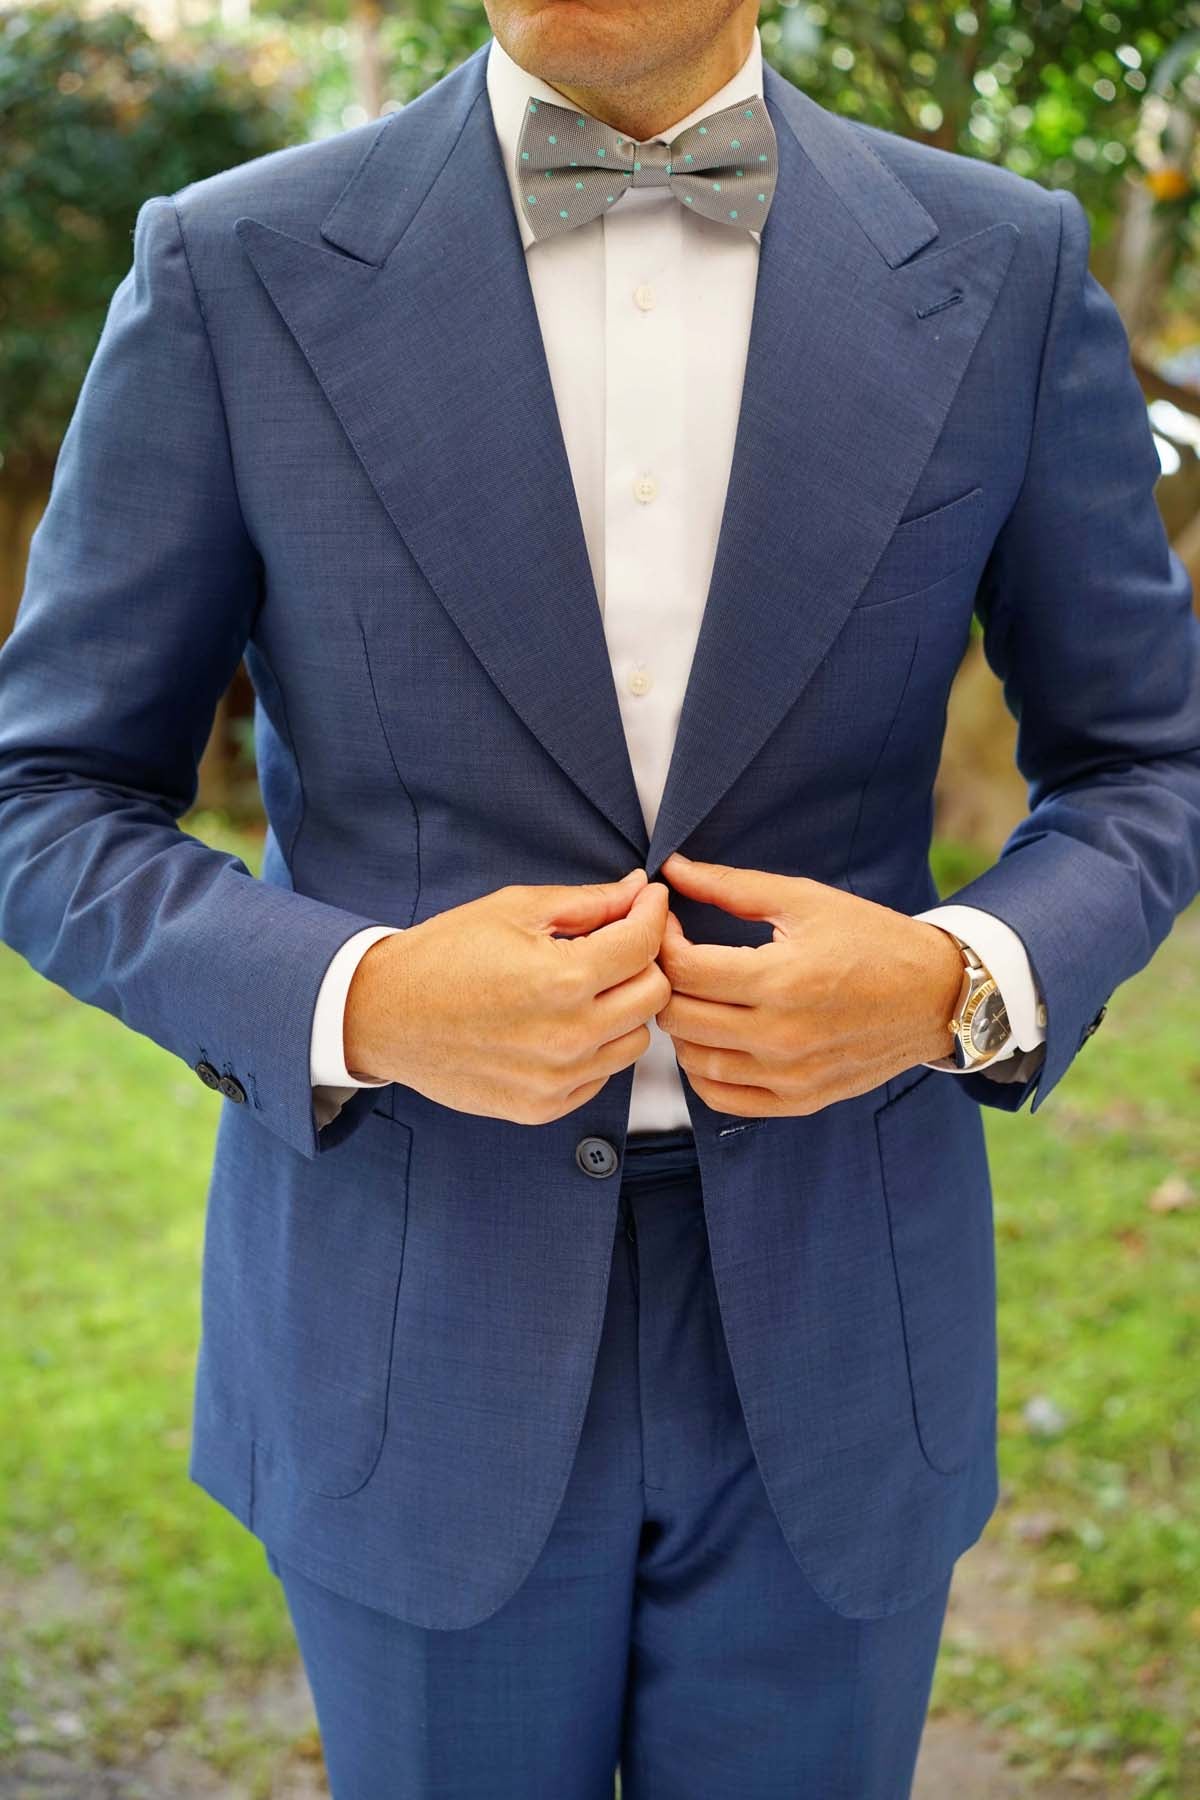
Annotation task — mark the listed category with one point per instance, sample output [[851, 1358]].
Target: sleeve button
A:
[[208, 1075], [232, 1088], [1093, 1025]]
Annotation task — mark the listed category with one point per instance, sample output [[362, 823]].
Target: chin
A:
[[571, 40]]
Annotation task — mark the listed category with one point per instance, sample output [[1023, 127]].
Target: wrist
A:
[[942, 988], [366, 1047]]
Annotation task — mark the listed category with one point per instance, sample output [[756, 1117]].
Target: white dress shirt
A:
[[649, 417]]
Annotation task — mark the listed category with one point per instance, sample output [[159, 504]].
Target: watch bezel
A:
[[975, 1001], [981, 984]]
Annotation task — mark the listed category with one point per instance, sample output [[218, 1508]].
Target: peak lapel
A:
[[421, 328], [845, 391]]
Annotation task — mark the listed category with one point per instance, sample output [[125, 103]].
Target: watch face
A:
[[990, 1025]]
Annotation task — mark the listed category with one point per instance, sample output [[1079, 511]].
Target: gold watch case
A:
[[976, 994]]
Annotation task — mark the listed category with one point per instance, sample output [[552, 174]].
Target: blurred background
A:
[[144, 1647]]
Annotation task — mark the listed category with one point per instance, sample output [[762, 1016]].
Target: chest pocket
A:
[[926, 549]]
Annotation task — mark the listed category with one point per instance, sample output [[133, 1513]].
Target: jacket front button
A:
[[208, 1075], [596, 1156], [232, 1088]]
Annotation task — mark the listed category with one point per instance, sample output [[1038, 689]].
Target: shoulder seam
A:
[[215, 367], [1054, 285]]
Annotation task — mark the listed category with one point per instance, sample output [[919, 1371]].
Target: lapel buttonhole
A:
[[936, 306]]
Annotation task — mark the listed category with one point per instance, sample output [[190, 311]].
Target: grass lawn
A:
[[133, 1609]]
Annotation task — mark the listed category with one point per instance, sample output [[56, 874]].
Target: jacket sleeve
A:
[[1088, 621], [140, 593]]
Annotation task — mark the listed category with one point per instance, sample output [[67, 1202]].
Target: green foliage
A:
[[418, 45], [1050, 88], [97, 116]]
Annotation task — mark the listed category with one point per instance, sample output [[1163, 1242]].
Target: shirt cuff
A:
[[1004, 953], [326, 1065]]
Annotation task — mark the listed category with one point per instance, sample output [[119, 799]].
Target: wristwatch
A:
[[980, 1024]]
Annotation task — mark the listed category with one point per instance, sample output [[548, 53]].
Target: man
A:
[[598, 1302]]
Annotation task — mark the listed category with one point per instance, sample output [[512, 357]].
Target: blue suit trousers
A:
[[665, 1627]]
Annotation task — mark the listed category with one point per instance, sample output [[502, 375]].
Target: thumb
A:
[[581, 908], [673, 929], [746, 893]]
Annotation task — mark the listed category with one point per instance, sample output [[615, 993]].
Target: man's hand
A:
[[484, 1009], [847, 993]]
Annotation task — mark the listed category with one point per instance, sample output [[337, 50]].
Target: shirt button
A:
[[645, 488], [1041, 1014], [639, 680], [644, 296]]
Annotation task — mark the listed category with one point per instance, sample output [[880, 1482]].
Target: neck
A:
[[642, 106]]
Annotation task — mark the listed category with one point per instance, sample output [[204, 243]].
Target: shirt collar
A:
[[510, 88]]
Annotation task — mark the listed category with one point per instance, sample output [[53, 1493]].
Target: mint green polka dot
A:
[[611, 198], [687, 199], [533, 106], [762, 197], [637, 165], [739, 171], [532, 199], [736, 144], [687, 156], [733, 214], [552, 140], [749, 112], [716, 187], [599, 153], [579, 184], [563, 215], [762, 159], [524, 156], [579, 121]]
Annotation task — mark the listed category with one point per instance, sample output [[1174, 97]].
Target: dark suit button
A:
[[596, 1156], [232, 1088], [208, 1075], [1093, 1025]]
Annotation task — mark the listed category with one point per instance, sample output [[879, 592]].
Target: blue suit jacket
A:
[[319, 431]]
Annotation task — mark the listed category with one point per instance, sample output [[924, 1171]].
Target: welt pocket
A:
[[924, 550]]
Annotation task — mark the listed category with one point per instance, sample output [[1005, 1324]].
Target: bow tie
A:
[[573, 167]]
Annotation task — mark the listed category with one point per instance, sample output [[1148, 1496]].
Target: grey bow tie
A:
[[573, 167]]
